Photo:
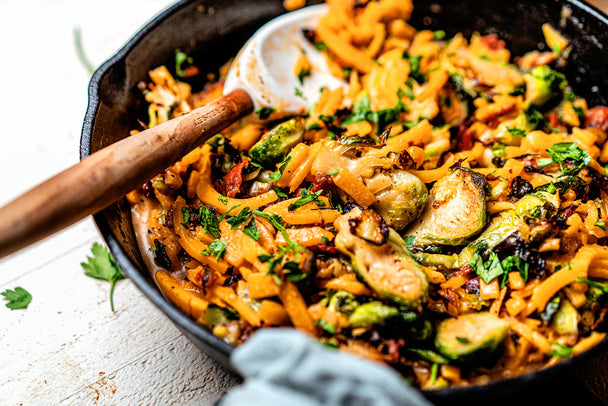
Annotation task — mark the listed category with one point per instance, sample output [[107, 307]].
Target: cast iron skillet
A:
[[214, 30]]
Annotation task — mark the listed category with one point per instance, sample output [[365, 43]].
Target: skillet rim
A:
[[196, 331]]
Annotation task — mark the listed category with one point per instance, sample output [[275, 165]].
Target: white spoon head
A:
[[265, 66]]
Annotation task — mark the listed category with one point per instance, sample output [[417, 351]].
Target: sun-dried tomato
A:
[[234, 178], [465, 138], [597, 117], [493, 42]]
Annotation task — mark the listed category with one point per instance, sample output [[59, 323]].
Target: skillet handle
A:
[[107, 175]]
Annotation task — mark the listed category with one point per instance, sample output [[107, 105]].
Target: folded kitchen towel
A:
[[285, 367]]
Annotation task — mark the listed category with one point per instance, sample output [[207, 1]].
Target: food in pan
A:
[[443, 213]]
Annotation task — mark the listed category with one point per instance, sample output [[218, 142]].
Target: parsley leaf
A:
[[414, 61], [17, 299], [438, 35], [487, 270], [601, 224], [180, 58], [217, 248], [563, 151], [185, 216], [516, 131], [302, 74], [601, 286], [252, 230], [241, 217], [208, 220], [320, 46], [513, 263], [277, 175], [264, 112], [463, 340], [223, 199], [305, 199], [560, 351], [103, 266]]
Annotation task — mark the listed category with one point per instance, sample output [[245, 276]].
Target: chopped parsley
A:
[[334, 172], [103, 266], [298, 92], [217, 248], [208, 220], [513, 263], [277, 175], [438, 35], [241, 218], [279, 192], [224, 199], [307, 197], [566, 152], [265, 112], [601, 286], [560, 351], [463, 340], [320, 46], [516, 131], [181, 58], [18, 298], [302, 74], [487, 270], [185, 216], [601, 224], [252, 230]]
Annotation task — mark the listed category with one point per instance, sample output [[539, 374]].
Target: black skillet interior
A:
[[214, 30]]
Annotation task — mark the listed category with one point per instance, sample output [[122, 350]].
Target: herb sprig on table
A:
[[18, 298], [103, 266]]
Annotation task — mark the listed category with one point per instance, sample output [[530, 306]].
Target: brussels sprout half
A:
[[456, 210], [388, 269], [403, 202], [470, 338], [276, 144]]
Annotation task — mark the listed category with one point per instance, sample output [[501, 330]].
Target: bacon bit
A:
[[393, 349], [233, 277], [493, 42], [464, 271], [492, 119], [465, 138], [323, 182], [191, 71], [206, 278], [597, 117], [310, 35], [234, 178], [324, 249]]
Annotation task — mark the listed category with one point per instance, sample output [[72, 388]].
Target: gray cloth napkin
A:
[[284, 367]]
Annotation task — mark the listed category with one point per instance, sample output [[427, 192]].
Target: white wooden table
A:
[[68, 347]]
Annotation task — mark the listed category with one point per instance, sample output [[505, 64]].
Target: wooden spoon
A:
[[262, 75]]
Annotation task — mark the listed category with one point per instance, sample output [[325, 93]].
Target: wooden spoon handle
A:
[[110, 173]]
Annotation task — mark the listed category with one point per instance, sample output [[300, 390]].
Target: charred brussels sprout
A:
[[470, 338], [276, 144], [456, 210], [388, 269], [378, 314], [502, 226], [566, 319], [217, 315], [537, 206], [403, 202], [544, 84]]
